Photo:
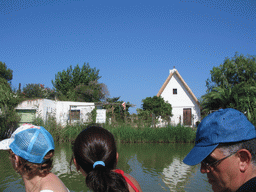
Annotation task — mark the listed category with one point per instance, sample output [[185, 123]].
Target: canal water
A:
[[157, 167]]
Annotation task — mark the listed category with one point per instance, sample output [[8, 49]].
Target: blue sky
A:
[[134, 44]]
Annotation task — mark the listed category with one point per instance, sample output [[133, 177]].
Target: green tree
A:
[[33, 91], [5, 73], [157, 108], [93, 92], [8, 101], [80, 84], [232, 85], [115, 110], [144, 117]]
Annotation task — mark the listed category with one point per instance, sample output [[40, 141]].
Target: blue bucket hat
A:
[[29, 142], [223, 126]]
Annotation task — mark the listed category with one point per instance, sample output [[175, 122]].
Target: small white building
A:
[[65, 112], [68, 112], [185, 106]]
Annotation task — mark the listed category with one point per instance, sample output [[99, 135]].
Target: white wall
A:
[[101, 115], [46, 108]]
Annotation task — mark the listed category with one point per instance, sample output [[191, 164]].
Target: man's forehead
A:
[[215, 153]]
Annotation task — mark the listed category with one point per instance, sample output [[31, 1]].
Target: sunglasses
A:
[[215, 163]]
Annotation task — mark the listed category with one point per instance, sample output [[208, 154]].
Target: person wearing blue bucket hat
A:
[[31, 149], [225, 146]]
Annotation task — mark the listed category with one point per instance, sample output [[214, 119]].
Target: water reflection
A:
[[61, 163], [175, 174], [157, 167]]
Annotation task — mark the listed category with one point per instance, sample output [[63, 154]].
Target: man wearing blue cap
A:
[[226, 148]]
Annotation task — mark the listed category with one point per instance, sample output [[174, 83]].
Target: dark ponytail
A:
[[97, 144], [103, 179]]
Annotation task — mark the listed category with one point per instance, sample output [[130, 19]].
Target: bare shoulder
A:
[[134, 181], [52, 182]]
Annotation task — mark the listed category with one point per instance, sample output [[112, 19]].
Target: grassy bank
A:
[[124, 133]]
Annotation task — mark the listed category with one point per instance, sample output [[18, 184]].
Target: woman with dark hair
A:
[[96, 157], [31, 150]]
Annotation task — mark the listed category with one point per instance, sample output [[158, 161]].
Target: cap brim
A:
[[198, 154], [5, 144]]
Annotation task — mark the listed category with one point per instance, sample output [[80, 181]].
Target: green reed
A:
[[123, 133], [170, 134]]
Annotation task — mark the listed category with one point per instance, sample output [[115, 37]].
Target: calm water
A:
[[157, 167]]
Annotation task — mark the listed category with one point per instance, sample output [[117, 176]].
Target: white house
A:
[[65, 112], [185, 106]]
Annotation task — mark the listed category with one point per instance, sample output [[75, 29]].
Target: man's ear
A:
[[117, 156], [245, 159]]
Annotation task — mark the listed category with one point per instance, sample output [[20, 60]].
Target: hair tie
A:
[[98, 163]]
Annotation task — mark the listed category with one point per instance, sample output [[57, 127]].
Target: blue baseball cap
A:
[[223, 126], [29, 142]]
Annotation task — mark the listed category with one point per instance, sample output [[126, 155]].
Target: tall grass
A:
[[123, 133], [59, 133], [170, 134]]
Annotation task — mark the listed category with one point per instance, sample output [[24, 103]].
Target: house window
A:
[[174, 91], [75, 114]]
